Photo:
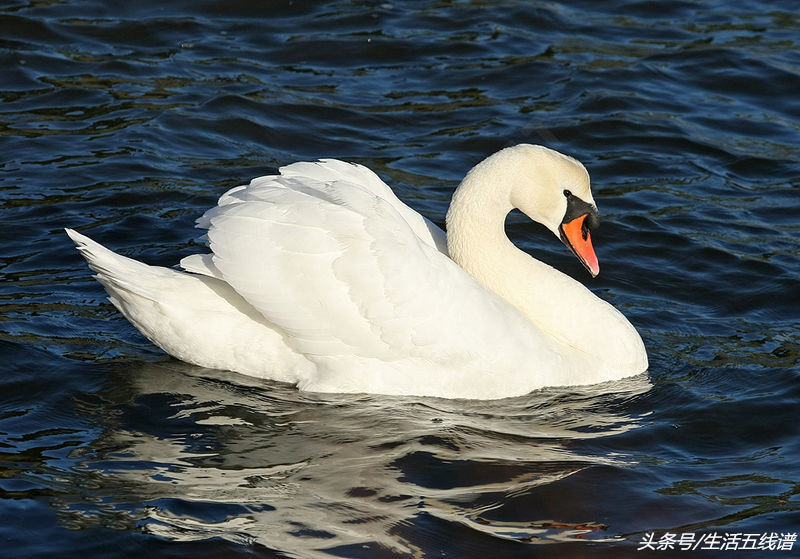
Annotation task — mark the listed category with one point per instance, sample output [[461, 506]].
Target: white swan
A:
[[322, 277]]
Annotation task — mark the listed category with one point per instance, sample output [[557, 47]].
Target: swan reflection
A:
[[193, 454]]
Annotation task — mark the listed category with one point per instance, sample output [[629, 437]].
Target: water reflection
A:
[[189, 454]]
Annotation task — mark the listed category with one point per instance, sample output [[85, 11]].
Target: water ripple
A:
[[128, 121]]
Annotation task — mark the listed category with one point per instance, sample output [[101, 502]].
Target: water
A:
[[127, 121]]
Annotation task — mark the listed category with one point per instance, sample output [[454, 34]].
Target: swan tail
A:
[[195, 318], [119, 274]]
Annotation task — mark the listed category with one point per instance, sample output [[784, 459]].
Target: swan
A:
[[321, 277]]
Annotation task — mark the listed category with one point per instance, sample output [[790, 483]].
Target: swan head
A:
[[553, 189]]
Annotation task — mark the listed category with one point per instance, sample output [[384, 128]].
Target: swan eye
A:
[[568, 194]]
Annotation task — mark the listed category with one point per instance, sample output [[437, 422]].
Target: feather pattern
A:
[[322, 277]]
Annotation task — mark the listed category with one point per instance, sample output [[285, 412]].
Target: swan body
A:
[[320, 276]]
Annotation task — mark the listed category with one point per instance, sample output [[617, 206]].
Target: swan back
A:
[[354, 287]]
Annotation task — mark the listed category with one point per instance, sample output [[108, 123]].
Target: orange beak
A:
[[576, 235]]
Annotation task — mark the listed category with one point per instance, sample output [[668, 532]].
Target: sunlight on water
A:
[[270, 465]]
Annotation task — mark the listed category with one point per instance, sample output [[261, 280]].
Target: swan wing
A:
[[333, 170], [326, 171], [341, 270]]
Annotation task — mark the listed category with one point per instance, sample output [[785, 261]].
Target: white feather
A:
[[322, 277]]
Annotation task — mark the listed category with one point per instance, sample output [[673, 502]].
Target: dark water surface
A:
[[128, 120]]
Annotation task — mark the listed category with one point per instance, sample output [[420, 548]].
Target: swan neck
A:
[[477, 241], [555, 303], [476, 236]]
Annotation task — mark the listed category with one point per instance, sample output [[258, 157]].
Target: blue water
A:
[[128, 120]]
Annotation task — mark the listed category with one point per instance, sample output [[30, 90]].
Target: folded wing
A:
[[329, 255]]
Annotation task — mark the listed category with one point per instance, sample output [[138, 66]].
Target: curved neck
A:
[[553, 301], [476, 227]]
